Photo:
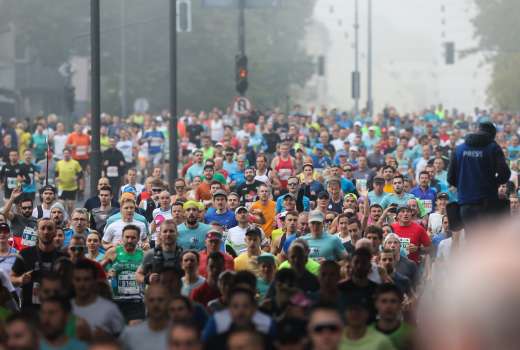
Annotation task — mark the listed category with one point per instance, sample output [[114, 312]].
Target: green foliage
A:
[[205, 56], [497, 27]]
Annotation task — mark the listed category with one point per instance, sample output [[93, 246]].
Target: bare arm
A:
[[7, 209]]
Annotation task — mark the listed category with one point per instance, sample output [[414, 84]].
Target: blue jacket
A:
[[477, 168]]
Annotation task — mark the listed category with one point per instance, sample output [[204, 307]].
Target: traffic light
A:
[[450, 52], [241, 74]]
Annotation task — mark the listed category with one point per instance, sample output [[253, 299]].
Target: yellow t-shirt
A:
[[24, 140], [67, 173], [245, 262], [269, 211], [388, 188]]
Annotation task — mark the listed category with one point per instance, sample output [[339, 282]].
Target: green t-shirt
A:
[[401, 337], [372, 340], [312, 266], [125, 266], [262, 286], [218, 177]]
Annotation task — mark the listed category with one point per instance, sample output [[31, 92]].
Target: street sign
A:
[[141, 105], [248, 3], [242, 106]]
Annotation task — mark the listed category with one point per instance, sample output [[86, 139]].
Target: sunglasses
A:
[[292, 184], [26, 208], [329, 327], [347, 169], [77, 249], [156, 189]]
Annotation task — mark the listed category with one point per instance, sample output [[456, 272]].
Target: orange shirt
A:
[[80, 145], [269, 211], [202, 192]]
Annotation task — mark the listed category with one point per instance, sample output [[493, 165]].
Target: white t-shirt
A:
[[102, 314], [126, 147], [435, 222], [236, 235], [114, 232], [158, 217], [59, 145], [46, 213]]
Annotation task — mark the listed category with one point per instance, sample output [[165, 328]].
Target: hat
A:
[[191, 204], [350, 195], [213, 235], [402, 207], [239, 209], [4, 227], [356, 301], [48, 188], [488, 128], [266, 258], [323, 195], [354, 148], [219, 144], [379, 180], [58, 205], [308, 164], [289, 195], [372, 128], [443, 195], [316, 216], [253, 230], [129, 189], [220, 193], [358, 123]]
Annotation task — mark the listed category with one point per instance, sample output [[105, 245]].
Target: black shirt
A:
[[407, 268], [348, 290], [20, 223], [9, 174], [115, 162], [248, 192], [307, 282], [34, 259]]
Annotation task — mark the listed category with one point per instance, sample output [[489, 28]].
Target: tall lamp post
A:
[[95, 104], [172, 129], [370, 101]]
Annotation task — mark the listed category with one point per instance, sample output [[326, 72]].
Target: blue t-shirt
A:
[[194, 170], [72, 344], [227, 219], [192, 238], [327, 246], [375, 199], [347, 186], [155, 141], [393, 198], [280, 208]]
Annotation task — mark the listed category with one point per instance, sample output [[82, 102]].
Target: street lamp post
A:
[[370, 101], [172, 129], [95, 104], [356, 75]]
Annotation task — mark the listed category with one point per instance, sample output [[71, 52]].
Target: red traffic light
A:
[[242, 73]]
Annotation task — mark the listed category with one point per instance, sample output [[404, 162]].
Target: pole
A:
[[172, 128], [370, 102], [241, 27], [122, 83], [356, 50], [95, 105]]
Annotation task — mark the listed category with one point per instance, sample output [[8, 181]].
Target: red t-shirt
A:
[[229, 262], [416, 235], [203, 294]]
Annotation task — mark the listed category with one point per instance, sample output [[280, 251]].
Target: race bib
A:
[[126, 283], [81, 150], [428, 205], [405, 244], [12, 182], [29, 237], [314, 252], [284, 174], [112, 171]]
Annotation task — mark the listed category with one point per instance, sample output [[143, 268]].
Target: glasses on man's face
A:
[[156, 190], [26, 208], [292, 184], [347, 169], [179, 187], [329, 327]]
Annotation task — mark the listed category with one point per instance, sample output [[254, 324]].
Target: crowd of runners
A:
[[316, 229]]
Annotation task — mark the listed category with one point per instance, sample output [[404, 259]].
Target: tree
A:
[[205, 56], [497, 27]]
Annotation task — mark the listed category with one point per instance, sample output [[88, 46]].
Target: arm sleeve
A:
[[19, 266], [108, 235]]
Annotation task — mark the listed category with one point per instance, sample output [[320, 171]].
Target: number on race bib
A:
[[112, 171], [126, 283], [405, 244]]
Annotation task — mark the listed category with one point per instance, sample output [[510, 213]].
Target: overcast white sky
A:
[[408, 61]]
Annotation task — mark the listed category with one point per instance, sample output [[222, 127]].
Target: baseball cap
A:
[[239, 209], [129, 189], [316, 216], [308, 164], [266, 258], [48, 188], [334, 179], [354, 148], [323, 195], [443, 195], [372, 128], [191, 204], [402, 207], [220, 193], [253, 230], [4, 227], [358, 123], [350, 195], [379, 180], [213, 235], [219, 144]]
